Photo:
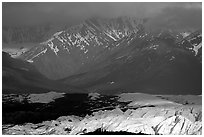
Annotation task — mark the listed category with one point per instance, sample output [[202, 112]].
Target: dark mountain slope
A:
[[147, 68], [22, 77]]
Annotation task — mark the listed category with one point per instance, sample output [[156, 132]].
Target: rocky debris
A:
[[172, 120]]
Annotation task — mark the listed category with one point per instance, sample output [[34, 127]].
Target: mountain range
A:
[[109, 56]]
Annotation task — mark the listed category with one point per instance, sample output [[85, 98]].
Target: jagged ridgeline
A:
[[80, 45]]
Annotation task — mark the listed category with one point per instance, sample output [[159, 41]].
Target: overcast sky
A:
[[161, 14]]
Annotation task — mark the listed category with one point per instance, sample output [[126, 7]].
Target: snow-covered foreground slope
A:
[[180, 120], [143, 113]]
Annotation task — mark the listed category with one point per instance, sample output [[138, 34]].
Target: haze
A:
[[167, 15]]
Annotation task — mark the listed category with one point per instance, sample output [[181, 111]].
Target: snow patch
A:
[[120, 57], [172, 58], [15, 52], [86, 51], [185, 34], [93, 96], [110, 36], [57, 33], [112, 82], [141, 99], [154, 47], [45, 97], [42, 52], [196, 48], [52, 38], [54, 49]]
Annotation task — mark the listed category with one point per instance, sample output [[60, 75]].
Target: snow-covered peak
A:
[[92, 35]]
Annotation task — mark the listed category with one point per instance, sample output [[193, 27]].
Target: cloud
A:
[[71, 13], [188, 18]]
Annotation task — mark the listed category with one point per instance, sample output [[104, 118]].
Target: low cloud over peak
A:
[[171, 14]]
